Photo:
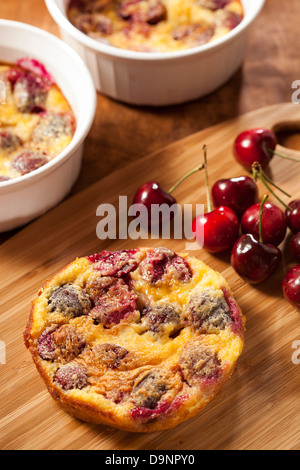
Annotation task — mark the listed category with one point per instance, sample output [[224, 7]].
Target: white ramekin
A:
[[159, 79], [25, 198]]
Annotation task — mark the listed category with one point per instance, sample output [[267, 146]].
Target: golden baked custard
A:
[[36, 121], [155, 25], [137, 339]]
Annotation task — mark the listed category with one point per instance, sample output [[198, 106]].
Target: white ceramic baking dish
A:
[[25, 198], [159, 79]]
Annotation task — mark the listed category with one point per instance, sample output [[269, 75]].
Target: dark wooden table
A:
[[271, 65]]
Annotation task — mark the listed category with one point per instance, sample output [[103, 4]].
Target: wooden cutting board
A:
[[258, 409]]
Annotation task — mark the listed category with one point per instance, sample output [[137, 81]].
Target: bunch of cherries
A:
[[251, 230]]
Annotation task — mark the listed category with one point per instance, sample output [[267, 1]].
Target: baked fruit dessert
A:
[[155, 25], [36, 121], [140, 340]]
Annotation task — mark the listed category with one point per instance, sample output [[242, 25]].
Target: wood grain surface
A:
[[122, 134], [258, 409]]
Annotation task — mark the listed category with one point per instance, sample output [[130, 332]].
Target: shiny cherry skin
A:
[[255, 145], [274, 223], [152, 193], [295, 247], [293, 216], [236, 193], [220, 229], [291, 286], [254, 261]]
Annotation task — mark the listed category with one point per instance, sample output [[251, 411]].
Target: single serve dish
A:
[[47, 107], [157, 53]]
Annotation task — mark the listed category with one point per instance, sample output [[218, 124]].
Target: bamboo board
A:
[[258, 409]]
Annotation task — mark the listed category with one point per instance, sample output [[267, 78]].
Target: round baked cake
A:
[[140, 339]]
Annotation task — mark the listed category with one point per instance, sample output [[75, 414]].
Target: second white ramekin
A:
[[159, 79], [25, 198]]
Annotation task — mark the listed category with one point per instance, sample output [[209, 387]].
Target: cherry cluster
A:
[[254, 150], [249, 229]]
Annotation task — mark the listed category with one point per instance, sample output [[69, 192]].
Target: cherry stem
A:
[[190, 173], [264, 199], [275, 185], [258, 173], [206, 179], [287, 157]]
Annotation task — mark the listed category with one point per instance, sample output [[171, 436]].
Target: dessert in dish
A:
[[140, 339], [36, 121], [155, 25]]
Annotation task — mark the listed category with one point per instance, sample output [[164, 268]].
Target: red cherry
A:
[[220, 229], [274, 223], [295, 246], [254, 261], [291, 286], [151, 193], [255, 145], [293, 216], [236, 193]]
